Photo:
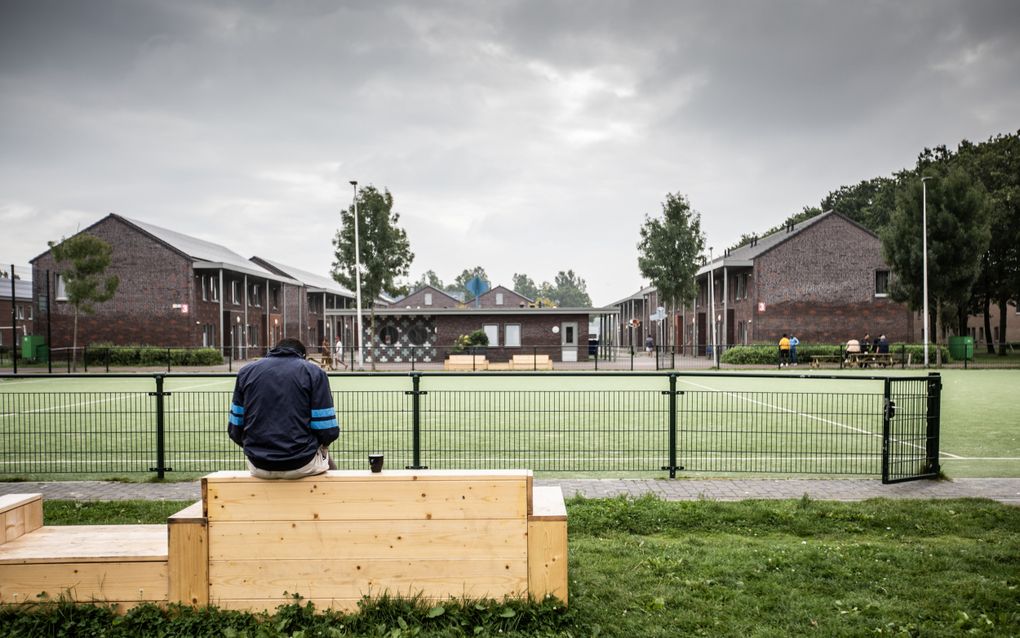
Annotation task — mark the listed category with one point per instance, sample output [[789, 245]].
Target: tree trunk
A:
[[1002, 327], [74, 342], [988, 325]]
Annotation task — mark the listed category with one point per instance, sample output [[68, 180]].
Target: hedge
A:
[[96, 355], [769, 354]]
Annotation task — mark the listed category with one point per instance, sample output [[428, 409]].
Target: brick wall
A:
[[536, 332], [417, 299], [820, 285], [152, 279], [510, 299]]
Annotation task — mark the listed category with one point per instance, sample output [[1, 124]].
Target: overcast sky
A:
[[520, 136]]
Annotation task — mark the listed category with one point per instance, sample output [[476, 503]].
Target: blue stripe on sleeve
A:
[[236, 420], [323, 412], [237, 409], [324, 425]]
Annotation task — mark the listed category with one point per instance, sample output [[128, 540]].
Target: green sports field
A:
[[582, 425]]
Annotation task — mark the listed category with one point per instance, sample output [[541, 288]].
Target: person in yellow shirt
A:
[[784, 351]]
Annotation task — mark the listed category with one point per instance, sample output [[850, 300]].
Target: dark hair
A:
[[292, 344]]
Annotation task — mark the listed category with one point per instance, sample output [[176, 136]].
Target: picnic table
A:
[[868, 359]]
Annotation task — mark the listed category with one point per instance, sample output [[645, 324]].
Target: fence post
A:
[[85, 357], [672, 392], [161, 467], [70, 353], [416, 394], [632, 357], [934, 423], [107, 356], [886, 433]]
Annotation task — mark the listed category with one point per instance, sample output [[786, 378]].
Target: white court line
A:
[[810, 416], [97, 402]]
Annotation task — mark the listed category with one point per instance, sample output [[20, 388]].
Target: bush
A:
[[768, 354], [471, 342], [128, 356]]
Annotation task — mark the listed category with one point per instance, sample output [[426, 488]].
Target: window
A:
[[418, 335], [214, 288], [388, 335], [234, 296], [21, 313], [428, 299], [512, 333], [499, 299], [60, 286], [256, 298], [276, 297], [492, 332], [205, 293], [881, 283]]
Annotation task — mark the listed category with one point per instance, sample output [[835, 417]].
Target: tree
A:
[[671, 249], [570, 291], [958, 236], [869, 203], [384, 249], [996, 163], [460, 283], [429, 278], [525, 285], [87, 258]]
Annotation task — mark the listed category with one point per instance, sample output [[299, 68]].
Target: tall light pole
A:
[[357, 277], [924, 258], [711, 297]]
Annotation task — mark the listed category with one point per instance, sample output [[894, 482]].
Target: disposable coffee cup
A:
[[375, 462]]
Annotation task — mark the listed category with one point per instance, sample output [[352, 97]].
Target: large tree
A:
[[958, 236], [670, 250], [83, 260], [383, 248], [525, 285], [570, 291], [429, 278], [996, 164]]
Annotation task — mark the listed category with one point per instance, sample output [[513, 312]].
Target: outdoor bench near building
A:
[[334, 538]]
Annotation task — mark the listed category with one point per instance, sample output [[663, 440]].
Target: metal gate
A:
[[910, 429]]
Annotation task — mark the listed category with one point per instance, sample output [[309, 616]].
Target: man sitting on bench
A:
[[282, 415]]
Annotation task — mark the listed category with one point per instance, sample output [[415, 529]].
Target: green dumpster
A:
[[30, 345], [961, 348]]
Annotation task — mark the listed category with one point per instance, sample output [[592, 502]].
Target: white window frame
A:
[[493, 335], [214, 288], [499, 299], [20, 312], [256, 298], [428, 299], [60, 285], [508, 331], [234, 297]]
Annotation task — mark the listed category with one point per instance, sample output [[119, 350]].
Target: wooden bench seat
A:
[[531, 362], [818, 359], [466, 362]]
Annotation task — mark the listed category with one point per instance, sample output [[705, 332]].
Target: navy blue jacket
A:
[[282, 411]]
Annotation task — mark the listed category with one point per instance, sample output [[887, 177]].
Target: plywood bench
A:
[[466, 362], [867, 359], [818, 359], [123, 564], [337, 537], [531, 362]]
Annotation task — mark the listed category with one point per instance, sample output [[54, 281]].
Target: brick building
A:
[[20, 322], [425, 324], [824, 279], [175, 290]]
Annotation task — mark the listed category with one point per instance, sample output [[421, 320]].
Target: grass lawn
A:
[[650, 568], [605, 425]]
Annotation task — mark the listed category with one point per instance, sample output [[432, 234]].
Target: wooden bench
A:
[[466, 362], [531, 362], [339, 536], [818, 359], [123, 564], [334, 538]]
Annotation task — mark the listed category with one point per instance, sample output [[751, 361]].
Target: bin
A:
[[961, 348], [593, 346], [30, 345]]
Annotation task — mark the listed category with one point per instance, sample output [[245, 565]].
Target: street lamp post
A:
[[924, 259], [711, 297], [357, 277]]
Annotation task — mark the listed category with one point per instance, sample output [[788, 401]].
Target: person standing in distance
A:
[[794, 342], [282, 415], [784, 351]]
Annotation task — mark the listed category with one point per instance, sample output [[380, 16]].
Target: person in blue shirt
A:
[[794, 342], [282, 415]]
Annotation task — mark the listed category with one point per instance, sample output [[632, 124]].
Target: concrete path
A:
[[1002, 490]]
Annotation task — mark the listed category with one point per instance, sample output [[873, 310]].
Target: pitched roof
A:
[[636, 296], [315, 283], [22, 289], [746, 254]]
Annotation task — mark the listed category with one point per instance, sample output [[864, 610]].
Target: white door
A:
[[568, 341]]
